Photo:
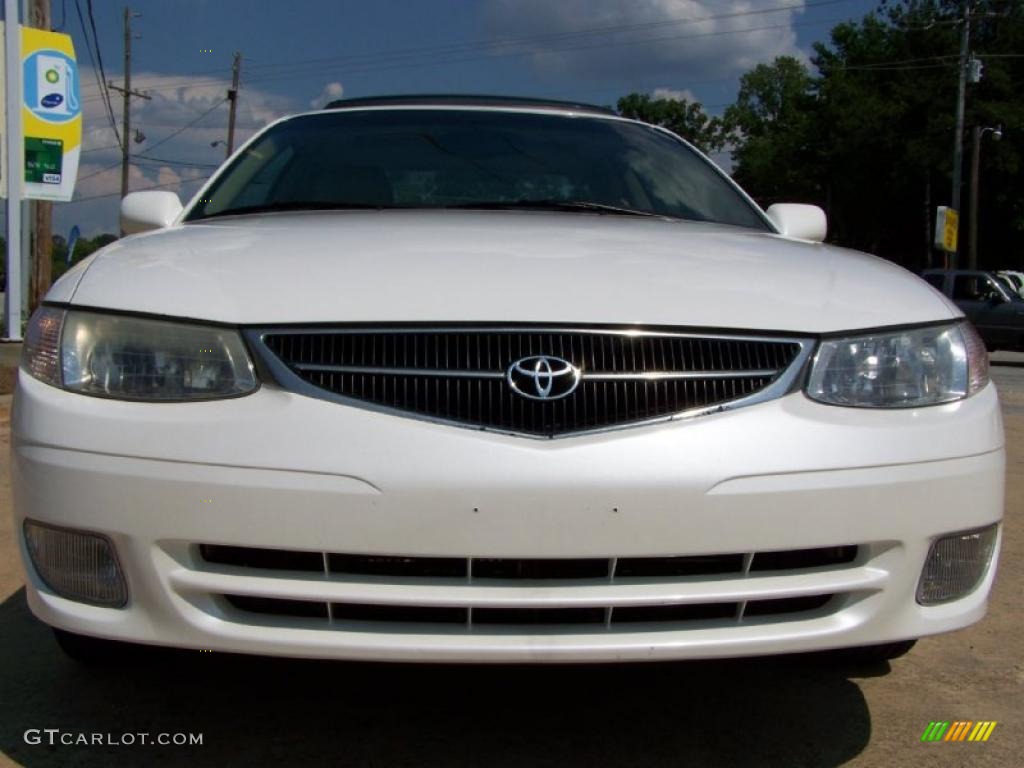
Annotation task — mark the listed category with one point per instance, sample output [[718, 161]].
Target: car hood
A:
[[437, 266]]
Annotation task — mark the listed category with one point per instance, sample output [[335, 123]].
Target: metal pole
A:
[[958, 144], [972, 222], [41, 269], [15, 169], [126, 117], [236, 68]]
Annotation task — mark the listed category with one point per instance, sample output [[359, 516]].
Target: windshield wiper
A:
[[572, 206], [294, 205], [579, 206]]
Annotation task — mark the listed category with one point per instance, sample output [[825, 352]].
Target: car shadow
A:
[[784, 711]]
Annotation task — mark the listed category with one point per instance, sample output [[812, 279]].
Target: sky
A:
[[299, 54]]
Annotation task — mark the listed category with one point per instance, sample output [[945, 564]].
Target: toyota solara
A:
[[496, 380]]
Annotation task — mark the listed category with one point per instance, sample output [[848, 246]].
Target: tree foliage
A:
[[684, 118], [84, 246], [773, 125], [867, 130]]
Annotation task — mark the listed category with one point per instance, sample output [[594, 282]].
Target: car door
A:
[[998, 316]]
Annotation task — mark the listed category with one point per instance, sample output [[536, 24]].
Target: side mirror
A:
[[143, 211], [804, 222]]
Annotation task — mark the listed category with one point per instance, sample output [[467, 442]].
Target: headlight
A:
[[131, 358], [902, 369]]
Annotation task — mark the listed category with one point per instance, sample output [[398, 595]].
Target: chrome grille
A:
[[460, 374]]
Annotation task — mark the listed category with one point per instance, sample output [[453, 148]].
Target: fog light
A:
[[956, 565], [77, 565]]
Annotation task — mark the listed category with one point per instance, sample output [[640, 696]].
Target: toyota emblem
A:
[[543, 377]]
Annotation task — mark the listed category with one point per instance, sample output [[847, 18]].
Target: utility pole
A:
[[40, 211], [127, 94], [958, 143], [236, 69]]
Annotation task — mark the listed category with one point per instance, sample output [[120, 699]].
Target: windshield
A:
[[434, 158]]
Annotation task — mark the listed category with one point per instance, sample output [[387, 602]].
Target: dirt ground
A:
[[788, 711]]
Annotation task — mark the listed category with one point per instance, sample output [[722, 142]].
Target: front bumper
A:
[[280, 471]]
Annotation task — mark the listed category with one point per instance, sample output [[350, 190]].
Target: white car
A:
[[473, 380], [1015, 280]]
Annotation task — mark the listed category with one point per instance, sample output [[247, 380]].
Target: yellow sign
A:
[[51, 114], [947, 225], [949, 232]]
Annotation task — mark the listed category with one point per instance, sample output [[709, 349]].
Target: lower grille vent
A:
[[517, 574], [523, 568], [523, 617]]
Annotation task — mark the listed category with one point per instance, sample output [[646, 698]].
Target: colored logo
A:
[[50, 86], [958, 730], [543, 377]]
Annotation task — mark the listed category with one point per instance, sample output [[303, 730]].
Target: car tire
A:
[[91, 650]]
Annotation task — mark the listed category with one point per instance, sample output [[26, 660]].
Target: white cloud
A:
[[671, 94], [330, 92], [629, 39], [176, 101]]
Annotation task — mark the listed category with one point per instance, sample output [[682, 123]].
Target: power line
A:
[[101, 83], [176, 162], [467, 47], [97, 173], [307, 69], [426, 55], [922, 59], [945, 61], [180, 129], [141, 189], [186, 126], [513, 54], [99, 149], [880, 68], [96, 38]]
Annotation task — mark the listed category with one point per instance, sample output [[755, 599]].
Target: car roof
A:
[[456, 100]]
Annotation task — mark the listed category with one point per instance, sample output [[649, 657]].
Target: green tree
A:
[[869, 135], [772, 127], [83, 247], [888, 88], [684, 118]]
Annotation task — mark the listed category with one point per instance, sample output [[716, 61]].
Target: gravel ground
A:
[[789, 711]]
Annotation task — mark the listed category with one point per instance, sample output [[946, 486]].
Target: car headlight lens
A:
[[131, 358], [901, 369]]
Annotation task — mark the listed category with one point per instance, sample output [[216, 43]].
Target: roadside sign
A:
[[73, 236], [51, 114], [947, 224]]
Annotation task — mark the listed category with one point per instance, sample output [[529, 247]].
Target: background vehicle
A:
[[996, 310], [1014, 278]]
